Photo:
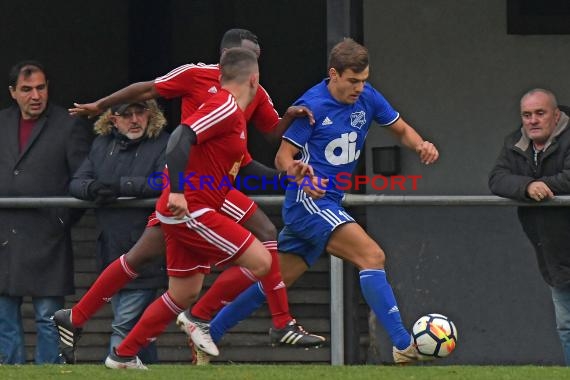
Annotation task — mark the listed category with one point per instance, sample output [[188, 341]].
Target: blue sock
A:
[[239, 309], [380, 297]]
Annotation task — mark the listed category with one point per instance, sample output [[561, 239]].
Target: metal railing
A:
[[336, 265], [276, 200]]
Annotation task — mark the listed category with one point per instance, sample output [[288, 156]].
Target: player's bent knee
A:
[[261, 267], [261, 270], [374, 259], [272, 278]]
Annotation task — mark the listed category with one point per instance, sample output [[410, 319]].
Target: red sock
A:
[[152, 323], [275, 290], [109, 282], [229, 284]]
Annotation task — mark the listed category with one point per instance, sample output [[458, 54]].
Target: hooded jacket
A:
[[548, 228], [126, 166]]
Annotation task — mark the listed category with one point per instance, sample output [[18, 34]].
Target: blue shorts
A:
[[306, 233]]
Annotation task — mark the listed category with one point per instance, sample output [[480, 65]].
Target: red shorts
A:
[[208, 239], [237, 206]]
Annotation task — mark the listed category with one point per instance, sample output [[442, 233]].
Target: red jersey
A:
[[196, 83], [215, 159]]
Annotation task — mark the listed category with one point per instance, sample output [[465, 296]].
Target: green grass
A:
[[287, 372]]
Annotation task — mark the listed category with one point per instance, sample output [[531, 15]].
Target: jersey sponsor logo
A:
[[342, 150], [358, 119], [327, 121], [213, 90], [235, 168]]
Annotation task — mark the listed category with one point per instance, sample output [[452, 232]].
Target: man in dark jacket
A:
[[129, 149], [41, 148], [534, 166]]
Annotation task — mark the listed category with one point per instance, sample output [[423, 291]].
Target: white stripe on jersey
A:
[[305, 157], [331, 215], [270, 101], [230, 257], [212, 237], [309, 204], [173, 73], [214, 117], [232, 210], [348, 217], [331, 218]]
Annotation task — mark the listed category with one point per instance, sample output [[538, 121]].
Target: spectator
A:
[[41, 148], [534, 166], [130, 147]]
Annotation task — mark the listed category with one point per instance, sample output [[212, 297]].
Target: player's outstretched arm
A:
[[136, 92], [290, 115], [408, 136]]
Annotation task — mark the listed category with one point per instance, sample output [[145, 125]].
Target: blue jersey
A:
[[334, 143]]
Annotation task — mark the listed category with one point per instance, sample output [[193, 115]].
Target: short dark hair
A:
[[234, 37], [237, 64], [25, 68], [348, 54]]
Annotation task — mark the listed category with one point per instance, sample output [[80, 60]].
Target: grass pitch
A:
[[287, 372]]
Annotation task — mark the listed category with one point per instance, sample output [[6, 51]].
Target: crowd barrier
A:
[[336, 265]]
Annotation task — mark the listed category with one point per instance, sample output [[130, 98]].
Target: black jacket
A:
[[36, 258], [548, 228], [126, 165]]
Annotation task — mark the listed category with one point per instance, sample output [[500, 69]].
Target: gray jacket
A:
[[126, 165], [547, 228]]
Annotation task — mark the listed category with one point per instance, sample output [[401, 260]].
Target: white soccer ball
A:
[[435, 335]]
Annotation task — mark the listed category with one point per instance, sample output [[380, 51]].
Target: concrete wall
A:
[[455, 74]]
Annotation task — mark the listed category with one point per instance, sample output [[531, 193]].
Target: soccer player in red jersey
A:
[[194, 84], [210, 144]]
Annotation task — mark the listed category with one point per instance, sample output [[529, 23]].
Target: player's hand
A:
[[304, 176], [539, 191], [298, 170], [177, 205], [88, 109], [300, 111], [315, 187], [428, 152]]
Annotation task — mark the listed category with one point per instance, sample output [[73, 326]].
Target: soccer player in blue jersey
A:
[[344, 106]]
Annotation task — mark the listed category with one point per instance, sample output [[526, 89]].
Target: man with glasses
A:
[[130, 146]]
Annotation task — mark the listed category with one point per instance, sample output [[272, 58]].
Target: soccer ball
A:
[[434, 335]]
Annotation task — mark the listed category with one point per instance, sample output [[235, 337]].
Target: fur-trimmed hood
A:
[[156, 121]]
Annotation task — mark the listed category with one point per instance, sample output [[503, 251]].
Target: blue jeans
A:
[[128, 306], [12, 350], [561, 299]]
